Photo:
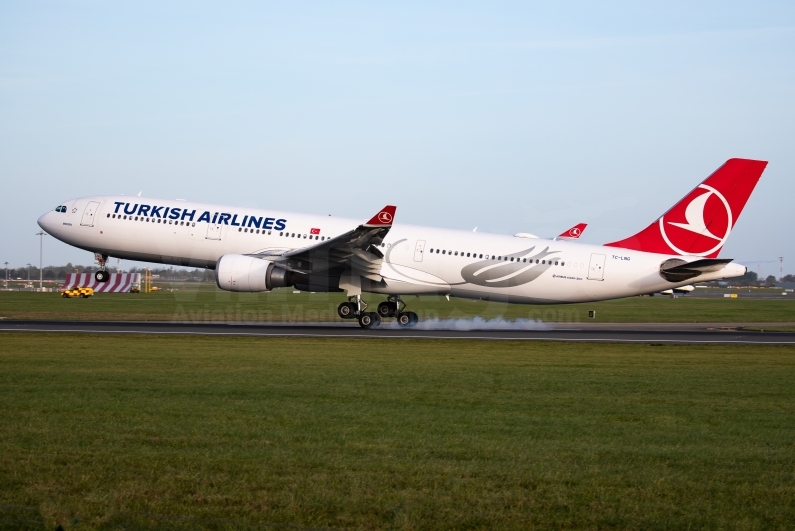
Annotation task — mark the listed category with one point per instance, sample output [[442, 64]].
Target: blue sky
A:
[[507, 116]]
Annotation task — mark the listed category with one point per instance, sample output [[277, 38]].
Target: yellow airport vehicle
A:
[[77, 292]]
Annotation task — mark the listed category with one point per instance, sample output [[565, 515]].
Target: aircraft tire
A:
[[369, 320], [387, 309], [346, 310], [404, 320], [102, 276], [414, 318]]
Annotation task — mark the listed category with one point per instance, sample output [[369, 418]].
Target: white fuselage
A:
[[417, 260]]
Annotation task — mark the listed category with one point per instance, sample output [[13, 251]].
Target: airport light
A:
[[29, 266], [41, 234], [6, 276]]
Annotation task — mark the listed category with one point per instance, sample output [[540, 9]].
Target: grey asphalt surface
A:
[[587, 332]]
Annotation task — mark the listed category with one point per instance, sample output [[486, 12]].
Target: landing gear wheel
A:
[[404, 320], [407, 319], [387, 309], [369, 320], [346, 310], [102, 276]]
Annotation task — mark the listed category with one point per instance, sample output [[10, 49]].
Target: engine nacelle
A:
[[237, 272]]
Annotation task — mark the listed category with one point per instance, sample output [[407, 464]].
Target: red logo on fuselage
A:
[[698, 225]]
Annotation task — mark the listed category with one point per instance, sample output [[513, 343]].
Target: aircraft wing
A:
[[356, 249]]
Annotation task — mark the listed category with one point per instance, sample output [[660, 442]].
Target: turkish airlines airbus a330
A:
[[258, 250]]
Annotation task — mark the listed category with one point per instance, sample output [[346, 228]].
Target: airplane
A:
[[681, 290], [255, 250]]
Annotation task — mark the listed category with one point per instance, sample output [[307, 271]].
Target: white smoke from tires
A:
[[478, 323]]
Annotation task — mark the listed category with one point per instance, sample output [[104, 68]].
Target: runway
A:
[[585, 332]]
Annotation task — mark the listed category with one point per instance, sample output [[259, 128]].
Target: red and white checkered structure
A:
[[118, 282]]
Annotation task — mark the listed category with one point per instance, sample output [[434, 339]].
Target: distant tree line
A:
[[751, 278], [55, 273], [205, 275]]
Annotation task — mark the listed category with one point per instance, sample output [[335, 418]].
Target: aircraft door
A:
[[88, 214], [419, 250], [213, 231], [596, 269]]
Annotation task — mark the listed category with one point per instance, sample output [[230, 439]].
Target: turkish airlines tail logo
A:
[[701, 222]]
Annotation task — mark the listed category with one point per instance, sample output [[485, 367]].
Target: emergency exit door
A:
[[596, 269]]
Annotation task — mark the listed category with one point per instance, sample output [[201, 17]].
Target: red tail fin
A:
[[700, 223]]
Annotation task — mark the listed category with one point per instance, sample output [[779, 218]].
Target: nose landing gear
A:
[[102, 275]]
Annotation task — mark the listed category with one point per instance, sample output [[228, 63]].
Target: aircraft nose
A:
[[45, 221]]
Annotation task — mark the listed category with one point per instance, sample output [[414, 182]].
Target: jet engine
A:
[[237, 272]]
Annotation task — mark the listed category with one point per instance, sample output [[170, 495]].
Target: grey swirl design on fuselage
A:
[[502, 274], [493, 273]]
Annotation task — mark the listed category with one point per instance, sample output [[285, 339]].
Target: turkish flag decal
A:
[[314, 231]]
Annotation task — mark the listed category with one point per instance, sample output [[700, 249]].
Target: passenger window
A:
[[443, 252], [543, 261]]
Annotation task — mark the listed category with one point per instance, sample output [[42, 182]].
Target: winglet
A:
[[574, 232], [383, 218]]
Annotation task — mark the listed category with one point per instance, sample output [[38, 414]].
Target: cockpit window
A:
[[60, 208]]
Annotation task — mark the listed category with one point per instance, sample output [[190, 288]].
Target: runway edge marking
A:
[[403, 336]]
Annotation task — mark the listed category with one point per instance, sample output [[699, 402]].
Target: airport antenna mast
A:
[[41, 234], [781, 269], [6, 276]]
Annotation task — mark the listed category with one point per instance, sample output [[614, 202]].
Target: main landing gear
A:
[[392, 307], [102, 275]]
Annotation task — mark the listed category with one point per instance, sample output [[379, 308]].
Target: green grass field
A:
[[206, 303], [235, 433]]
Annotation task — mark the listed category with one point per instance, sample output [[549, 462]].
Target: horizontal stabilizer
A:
[[676, 270]]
